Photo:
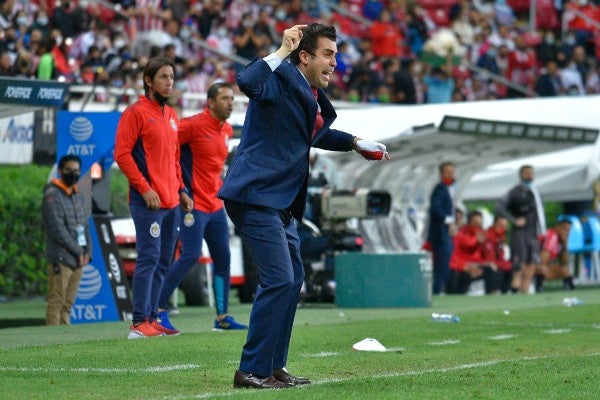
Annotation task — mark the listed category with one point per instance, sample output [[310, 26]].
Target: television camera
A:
[[325, 232]]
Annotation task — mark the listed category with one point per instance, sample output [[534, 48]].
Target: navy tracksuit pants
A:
[[156, 232], [213, 228], [271, 238]]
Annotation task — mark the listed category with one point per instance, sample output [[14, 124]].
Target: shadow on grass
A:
[[21, 322]]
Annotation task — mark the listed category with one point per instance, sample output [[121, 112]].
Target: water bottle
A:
[[445, 317], [572, 301]]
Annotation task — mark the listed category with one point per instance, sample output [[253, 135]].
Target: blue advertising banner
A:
[[90, 135], [94, 302], [33, 92], [103, 291]]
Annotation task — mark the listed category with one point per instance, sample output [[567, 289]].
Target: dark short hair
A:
[[310, 40], [68, 158], [152, 67], [213, 90], [499, 217], [473, 214], [524, 167], [444, 165]]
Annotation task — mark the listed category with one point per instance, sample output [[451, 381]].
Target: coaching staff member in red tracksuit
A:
[[265, 186], [147, 151]]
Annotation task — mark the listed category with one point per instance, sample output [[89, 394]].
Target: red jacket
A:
[[147, 151], [204, 142], [493, 248], [466, 248]]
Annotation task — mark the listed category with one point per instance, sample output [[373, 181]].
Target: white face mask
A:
[[185, 33], [118, 43], [280, 15], [42, 20], [222, 32]]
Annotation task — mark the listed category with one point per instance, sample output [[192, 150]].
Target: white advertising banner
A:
[[16, 139]]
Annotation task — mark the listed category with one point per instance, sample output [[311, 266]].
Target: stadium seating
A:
[[584, 244]]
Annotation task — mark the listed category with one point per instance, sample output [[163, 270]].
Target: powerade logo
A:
[[81, 129], [91, 283], [18, 92]]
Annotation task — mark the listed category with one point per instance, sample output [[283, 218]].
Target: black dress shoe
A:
[[244, 380], [282, 375]]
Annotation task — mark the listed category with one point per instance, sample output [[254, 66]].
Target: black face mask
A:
[[70, 178], [162, 100]]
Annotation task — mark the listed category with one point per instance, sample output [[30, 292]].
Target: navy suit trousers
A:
[[271, 238], [442, 251]]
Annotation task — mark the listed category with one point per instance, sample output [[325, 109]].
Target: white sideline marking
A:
[[151, 370], [557, 331], [322, 354], [444, 342], [503, 337], [396, 349], [390, 375]]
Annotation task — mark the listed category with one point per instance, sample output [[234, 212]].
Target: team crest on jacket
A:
[[173, 124], [188, 220], [155, 230]]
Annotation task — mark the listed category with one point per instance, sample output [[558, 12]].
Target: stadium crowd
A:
[[390, 51]]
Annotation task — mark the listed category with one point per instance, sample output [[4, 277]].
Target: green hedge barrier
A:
[[22, 261]]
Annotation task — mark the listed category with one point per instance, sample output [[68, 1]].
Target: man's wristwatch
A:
[[354, 141]]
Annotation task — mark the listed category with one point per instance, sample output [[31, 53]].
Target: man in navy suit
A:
[[266, 184], [442, 226]]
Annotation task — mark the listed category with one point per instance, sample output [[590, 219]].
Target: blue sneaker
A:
[[228, 324], [163, 319]]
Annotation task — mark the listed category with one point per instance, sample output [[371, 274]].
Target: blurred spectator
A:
[[494, 251], [483, 32], [592, 83], [45, 67], [364, 81], [467, 263], [250, 40], [417, 31], [8, 10], [6, 64], [580, 16], [522, 66], [211, 11], [404, 89], [580, 60], [69, 18], [387, 40], [571, 78], [220, 39], [372, 9], [554, 257], [503, 36], [549, 83], [439, 86], [547, 50]]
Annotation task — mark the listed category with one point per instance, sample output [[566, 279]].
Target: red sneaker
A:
[[169, 332], [143, 330]]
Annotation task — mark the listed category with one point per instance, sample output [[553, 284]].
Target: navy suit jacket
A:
[[270, 166], [440, 207]]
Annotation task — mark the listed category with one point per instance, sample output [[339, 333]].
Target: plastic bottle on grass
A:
[[445, 317], [572, 301]]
